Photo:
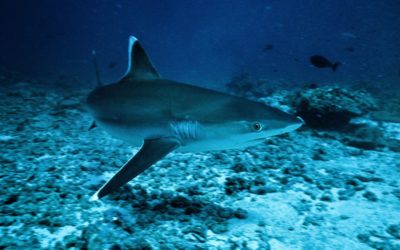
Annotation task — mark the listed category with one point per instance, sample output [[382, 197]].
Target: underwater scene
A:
[[200, 124]]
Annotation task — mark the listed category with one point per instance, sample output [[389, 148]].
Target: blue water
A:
[[205, 42]]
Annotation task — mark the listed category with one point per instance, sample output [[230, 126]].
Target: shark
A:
[[161, 116]]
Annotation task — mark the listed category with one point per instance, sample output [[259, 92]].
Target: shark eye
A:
[[257, 126]]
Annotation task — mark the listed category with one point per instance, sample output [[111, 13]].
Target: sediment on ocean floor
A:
[[310, 188]]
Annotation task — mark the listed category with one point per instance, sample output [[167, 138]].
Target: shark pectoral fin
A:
[[139, 64], [152, 151]]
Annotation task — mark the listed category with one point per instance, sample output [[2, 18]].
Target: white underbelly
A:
[[192, 137]]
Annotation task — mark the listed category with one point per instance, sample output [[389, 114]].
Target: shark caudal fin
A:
[[152, 151], [139, 64]]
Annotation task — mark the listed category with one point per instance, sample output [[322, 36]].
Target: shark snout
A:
[[286, 122], [300, 120], [297, 123]]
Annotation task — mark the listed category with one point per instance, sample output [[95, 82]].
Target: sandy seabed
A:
[[303, 190]]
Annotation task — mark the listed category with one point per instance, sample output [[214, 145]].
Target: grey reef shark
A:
[[162, 116]]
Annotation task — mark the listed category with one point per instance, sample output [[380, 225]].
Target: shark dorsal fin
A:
[[139, 64]]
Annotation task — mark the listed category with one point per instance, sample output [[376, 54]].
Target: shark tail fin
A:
[[96, 67], [335, 66], [139, 64]]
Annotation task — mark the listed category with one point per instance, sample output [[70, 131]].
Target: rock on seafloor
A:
[[319, 107], [310, 189]]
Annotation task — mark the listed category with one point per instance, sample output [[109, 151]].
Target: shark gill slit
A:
[[185, 129]]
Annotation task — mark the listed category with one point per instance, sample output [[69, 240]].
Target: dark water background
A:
[[203, 41]]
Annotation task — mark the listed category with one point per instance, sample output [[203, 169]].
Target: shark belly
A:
[[190, 134], [135, 133]]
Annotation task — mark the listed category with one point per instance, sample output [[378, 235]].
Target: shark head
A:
[[161, 116], [242, 123]]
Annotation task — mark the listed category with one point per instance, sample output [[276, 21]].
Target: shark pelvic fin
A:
[[152, 151], [92, 126], [139, 64]]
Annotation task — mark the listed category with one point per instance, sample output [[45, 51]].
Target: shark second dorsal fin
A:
[[96, 68], [139, 64]]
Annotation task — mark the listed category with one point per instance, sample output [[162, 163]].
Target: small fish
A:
[[350, 49], [348, 35], [112, 65], [268, 46], [321, 62]]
